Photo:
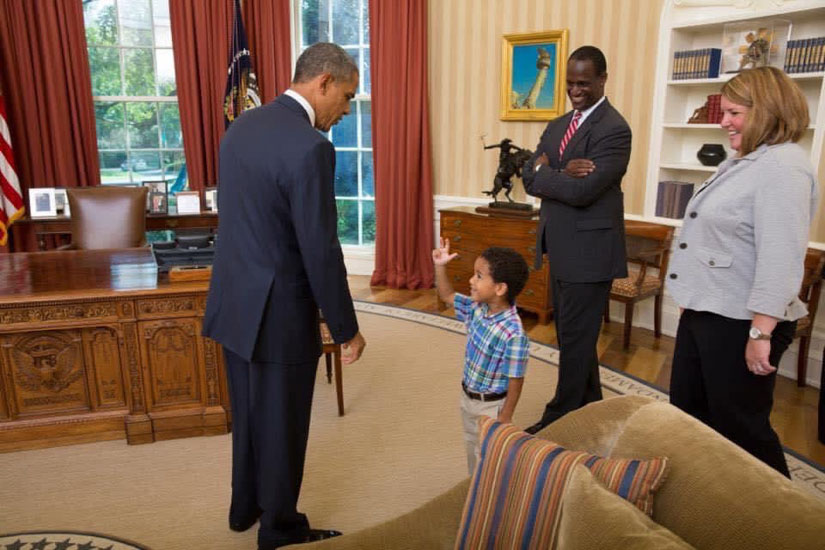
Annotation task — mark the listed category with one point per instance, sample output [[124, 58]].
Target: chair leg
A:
[[628, 323], [607, 310], [657, 315], [802, 361], [328, 358], [339, 382]]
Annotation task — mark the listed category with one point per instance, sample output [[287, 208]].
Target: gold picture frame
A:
[[533, 69]]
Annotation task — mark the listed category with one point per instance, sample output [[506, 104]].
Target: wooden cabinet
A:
[[470, 233]]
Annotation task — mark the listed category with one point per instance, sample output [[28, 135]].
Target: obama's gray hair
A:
[[324, 57]]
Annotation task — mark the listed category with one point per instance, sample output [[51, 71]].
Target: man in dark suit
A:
[[278, 260], [577, 172]]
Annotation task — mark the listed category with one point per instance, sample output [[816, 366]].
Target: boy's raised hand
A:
[[441, 255]]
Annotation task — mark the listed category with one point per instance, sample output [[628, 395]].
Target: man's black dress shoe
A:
[[537, 427], [304, 536], [242, 523]]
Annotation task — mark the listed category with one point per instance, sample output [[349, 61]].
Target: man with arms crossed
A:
[[278, 260], [577, 172]]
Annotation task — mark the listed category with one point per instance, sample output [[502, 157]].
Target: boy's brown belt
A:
[[483, 396]]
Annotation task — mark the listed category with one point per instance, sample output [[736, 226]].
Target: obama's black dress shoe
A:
[[536, 428], [301, 537]]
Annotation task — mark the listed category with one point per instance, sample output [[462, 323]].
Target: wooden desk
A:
[[33, 234], [93, 347]]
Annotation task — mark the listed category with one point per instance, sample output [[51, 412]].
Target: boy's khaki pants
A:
[[471, 410]]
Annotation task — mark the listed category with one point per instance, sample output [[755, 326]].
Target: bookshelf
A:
[[696, 24]]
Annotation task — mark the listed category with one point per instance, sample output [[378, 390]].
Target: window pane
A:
[[101, 25], [366, 79], [345, 22], [140, 71], [163, 29], [104, 64], [365, 17], [345, 133], [366, 124], [166, 73], [315, 21], [368, 221], [347, 221], [355, 54], [174, 169], [135, 22], [142, 123], [111, 130], [170, 134], [110, 167], [367, 177], [346, 174], [147, 163]]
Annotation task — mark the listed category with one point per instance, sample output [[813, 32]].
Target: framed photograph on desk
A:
[[156, 200], [42, 202], [533, 68], [210, 199], [61, 202], [189, 202]]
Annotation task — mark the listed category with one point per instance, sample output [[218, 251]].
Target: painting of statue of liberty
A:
[[533, 67]]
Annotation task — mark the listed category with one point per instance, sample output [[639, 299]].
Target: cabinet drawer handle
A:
[[530, 292], [531, 249], [532, 231], [456, 278], [457, 238], [457, 223]]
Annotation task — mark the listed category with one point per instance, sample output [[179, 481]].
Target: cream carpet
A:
[[398, 446]]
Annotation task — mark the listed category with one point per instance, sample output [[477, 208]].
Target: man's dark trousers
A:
[[271, 406], [577, 311]]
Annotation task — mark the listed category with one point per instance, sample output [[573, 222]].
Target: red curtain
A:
[[401, 144], [200, 37], [267, 29], [44, 75], [201, 33]]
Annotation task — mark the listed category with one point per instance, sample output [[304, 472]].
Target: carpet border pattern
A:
[[65, 540], [807, 474]]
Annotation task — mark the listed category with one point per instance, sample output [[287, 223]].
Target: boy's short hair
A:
[[507, 266]]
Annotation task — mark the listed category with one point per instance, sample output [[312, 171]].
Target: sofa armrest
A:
[[433, 525]]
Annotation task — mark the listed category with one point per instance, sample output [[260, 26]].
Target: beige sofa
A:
[[715, 495]]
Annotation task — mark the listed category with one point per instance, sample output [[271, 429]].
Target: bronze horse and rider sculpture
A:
[[511, 159]]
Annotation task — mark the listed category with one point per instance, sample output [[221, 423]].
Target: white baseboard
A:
[[359, 260]]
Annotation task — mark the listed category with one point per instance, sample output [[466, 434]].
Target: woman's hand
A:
[[757, 353]]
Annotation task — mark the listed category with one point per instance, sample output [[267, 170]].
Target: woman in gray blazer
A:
[[737, 268]]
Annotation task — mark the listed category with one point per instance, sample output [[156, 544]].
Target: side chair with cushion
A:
[[107, 217], [808, 293], [648, 245]]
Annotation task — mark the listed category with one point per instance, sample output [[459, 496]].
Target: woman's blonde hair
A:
[[778, 109]]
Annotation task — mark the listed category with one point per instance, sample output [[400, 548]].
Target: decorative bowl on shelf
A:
[[711, 154]]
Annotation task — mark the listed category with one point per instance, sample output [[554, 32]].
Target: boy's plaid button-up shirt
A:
[[497, 347]]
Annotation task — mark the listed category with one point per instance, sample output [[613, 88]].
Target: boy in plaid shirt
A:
[[497, 347]]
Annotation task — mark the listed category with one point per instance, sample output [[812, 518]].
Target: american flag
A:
[[241, 82], [11, 199]]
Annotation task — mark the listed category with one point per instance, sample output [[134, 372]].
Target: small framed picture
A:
[[156, 199], [210, 199], [61, 202], [189, 202], [42, 202]]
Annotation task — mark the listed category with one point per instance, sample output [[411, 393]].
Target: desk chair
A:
[[648, 245], [107, 217], [332, 354], [808, 293]]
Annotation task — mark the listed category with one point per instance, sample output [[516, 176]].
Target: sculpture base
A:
[[509, 209]]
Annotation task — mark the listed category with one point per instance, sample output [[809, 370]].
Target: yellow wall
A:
[[465, 74]]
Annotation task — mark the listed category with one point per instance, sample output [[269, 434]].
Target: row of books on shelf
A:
[[805, 55], [672, 199], [701, 63], [714, 108]]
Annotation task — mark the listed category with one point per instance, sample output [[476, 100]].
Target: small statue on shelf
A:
[[511, 159], [756, 53]]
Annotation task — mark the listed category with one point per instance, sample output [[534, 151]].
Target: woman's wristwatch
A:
[[756, 334]]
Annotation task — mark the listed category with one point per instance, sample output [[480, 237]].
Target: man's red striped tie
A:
[[571, 129]]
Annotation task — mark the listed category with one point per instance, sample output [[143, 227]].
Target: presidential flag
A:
[[241, 82], [11, 199]]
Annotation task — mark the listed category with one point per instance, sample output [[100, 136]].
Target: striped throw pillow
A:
[[515, 494]]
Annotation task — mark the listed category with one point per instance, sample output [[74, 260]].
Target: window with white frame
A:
[[135, 96], [346, 22]]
